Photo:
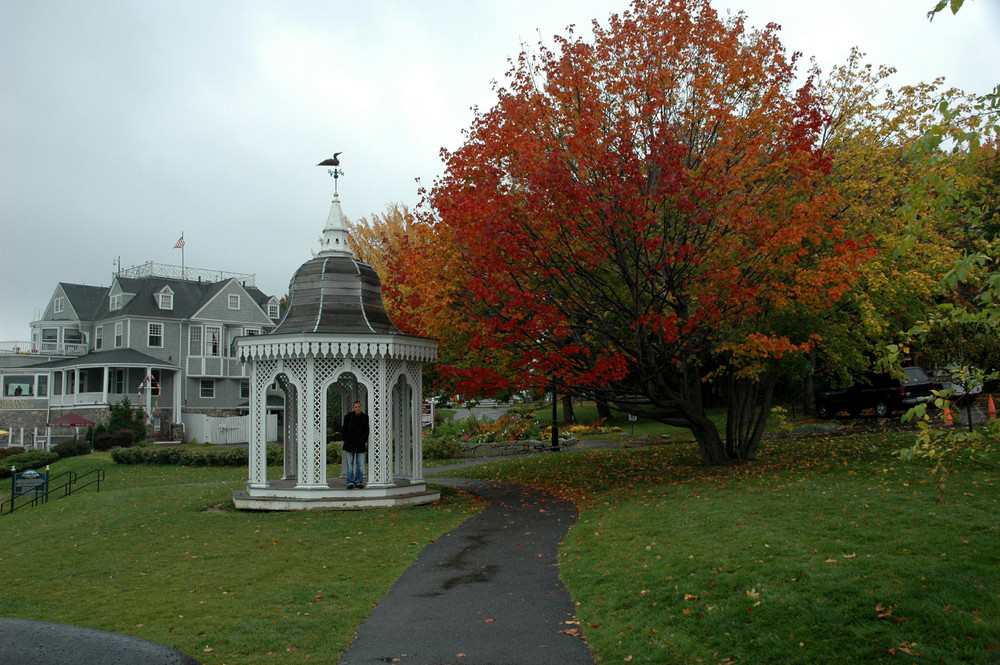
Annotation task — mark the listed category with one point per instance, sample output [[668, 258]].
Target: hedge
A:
[[30, 459]]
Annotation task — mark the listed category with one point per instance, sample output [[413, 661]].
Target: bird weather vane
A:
[[335, 171]]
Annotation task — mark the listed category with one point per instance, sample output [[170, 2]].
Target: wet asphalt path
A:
[[486, 593]]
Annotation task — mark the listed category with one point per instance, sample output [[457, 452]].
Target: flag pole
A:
[[183, 271]]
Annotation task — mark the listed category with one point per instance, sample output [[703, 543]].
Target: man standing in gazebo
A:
[[355, 431]]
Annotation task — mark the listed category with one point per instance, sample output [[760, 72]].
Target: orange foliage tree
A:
[[643, 214]]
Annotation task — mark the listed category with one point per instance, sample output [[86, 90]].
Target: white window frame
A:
[[119, 334], [98, 338], [252, 331], [217, 342], [166, 301], [234, 301], [206, 389], [58, 305], [154, 331], [196, 334], [244, 388], [273, 310], [115, 302]]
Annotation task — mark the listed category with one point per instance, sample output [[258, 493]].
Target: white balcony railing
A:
[[61, 349]]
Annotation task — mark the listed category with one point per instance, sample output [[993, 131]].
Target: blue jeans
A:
[[355, 467]]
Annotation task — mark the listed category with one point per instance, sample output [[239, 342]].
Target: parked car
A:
[[882, 392]]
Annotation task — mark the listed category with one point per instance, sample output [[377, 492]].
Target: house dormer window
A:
[[272, 310], [234, 301], [166, 300], [115, 302], [58, 305]]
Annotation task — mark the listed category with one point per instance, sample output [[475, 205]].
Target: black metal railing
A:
[[72, 483]]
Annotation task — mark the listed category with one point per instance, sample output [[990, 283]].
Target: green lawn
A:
[[826, 550], [147, 557]]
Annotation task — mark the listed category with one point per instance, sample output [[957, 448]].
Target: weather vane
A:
[[335, 171]]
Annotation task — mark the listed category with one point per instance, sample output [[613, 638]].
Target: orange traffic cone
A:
[[991, 408], [947, 416]]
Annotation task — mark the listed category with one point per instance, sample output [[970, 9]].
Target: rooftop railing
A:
[[150, 269]]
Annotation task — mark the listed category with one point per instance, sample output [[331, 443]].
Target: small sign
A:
[[30, 481], [633, 417]]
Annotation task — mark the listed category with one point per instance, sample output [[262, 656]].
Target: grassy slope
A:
[[143, 557], [827, 550]]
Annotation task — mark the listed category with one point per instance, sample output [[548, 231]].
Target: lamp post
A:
[[555, 422]]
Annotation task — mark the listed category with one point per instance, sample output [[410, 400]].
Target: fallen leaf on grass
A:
[[208, 649], [488, 620], [575, 632], [907, 648], [292, 649]]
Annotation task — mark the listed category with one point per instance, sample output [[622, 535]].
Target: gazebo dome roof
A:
[[335, 294]]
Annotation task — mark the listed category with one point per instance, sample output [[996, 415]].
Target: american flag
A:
[[179, 244]]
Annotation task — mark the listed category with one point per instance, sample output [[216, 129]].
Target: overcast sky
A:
[[125, 123]]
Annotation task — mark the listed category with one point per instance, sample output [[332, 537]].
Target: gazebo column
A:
[[289, 436], [258, 431], [380, 456], [416, 426], [312, 444]]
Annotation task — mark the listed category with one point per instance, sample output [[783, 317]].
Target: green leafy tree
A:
[[124, 416]]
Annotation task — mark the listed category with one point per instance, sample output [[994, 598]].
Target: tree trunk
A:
[[809, 386], [568, 416], [603, 410], [748, 404], [713, 452]]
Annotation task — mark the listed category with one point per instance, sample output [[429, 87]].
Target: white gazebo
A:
[[336, 337]]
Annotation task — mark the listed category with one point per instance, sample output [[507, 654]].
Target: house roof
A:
[[85, 300], [127, 357]]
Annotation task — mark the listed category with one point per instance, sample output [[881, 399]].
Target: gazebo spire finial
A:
[[336, 238], [336, 172]]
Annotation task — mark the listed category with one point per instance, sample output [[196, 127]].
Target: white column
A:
[[311, 473], [258, 433], [104, 393], [178, 393], [380, 457], [416, 418]]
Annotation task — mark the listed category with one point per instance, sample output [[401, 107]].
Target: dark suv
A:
[[882, 392]]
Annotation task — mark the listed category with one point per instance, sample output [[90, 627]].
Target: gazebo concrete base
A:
[[284, 495]]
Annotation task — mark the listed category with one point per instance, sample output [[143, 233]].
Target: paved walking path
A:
[[486, 593]]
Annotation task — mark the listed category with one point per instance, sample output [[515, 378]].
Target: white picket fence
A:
[[220, 431]]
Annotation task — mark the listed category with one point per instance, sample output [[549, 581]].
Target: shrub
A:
[[124, 438], [178, 456], [333, 452], [124, 417], [30, 459], [12, 450], [104, 441], [441, 448], [71, 448]]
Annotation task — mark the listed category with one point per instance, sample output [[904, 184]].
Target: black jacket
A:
[[355, 431]]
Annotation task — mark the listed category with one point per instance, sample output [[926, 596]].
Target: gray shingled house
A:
[[160, 335]]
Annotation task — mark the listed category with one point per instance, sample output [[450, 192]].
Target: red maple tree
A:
[[641, 214]]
